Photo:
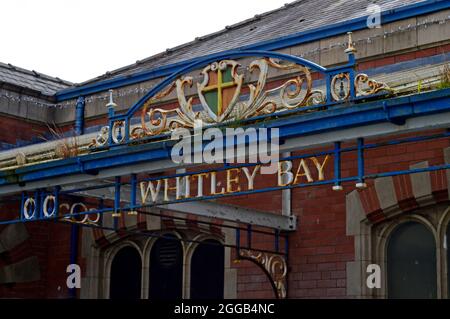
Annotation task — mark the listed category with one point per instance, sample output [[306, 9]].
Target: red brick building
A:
[[367, 139]]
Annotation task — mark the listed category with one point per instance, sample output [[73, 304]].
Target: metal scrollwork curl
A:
[[274, 265], [101, 139], [268, 107], [373, 87], [293, 88], [317, 97], [221, 95]]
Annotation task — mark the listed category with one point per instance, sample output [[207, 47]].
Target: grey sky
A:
[[78, 40]]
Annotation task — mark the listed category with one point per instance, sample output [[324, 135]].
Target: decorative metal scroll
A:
[[230, 92], [43, 205], [373, 87], [273, 265], [219, 94]]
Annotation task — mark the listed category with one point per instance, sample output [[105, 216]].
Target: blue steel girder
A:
[[39, 210]]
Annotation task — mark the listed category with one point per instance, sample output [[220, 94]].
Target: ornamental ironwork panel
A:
[[222, 95]]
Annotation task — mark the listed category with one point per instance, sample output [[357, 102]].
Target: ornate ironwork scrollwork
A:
[[225, 95], [101, 138], [159, 119], [219, 94], [292, 89], [340, 86], [373, 87], [274, 266]]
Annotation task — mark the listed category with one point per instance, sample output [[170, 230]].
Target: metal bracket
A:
[[273, 265], [396, 121]]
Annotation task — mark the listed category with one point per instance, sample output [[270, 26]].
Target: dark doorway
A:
[[166, 269], [126, 270], [207, 271], [411, 263]]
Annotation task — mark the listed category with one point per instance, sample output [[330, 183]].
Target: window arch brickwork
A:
[[98, 246], [371, 215]]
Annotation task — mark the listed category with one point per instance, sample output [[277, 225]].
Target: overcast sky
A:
[[78, 40]]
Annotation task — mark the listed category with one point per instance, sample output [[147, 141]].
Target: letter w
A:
[[150, 189]]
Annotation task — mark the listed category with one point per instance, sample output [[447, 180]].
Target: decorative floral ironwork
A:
[[274, 265], [226, 93], [373, 86], [219, 95], [364, 86], [102, 137]]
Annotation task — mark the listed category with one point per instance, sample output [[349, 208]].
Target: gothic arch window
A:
[[207, 270], [125, 276], [163, 268], [166, 269], [411, 262]]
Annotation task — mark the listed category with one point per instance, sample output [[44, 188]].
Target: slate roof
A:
[[298, 16], [44, 84], [294, 17]]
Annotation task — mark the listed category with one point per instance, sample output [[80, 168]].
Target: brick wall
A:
[[318, 250], [49, 242], [15, 130]]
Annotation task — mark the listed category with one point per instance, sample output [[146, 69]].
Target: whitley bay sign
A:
[[231, 181], [192, 186]]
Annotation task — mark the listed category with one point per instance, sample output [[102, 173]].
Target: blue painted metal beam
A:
[[363, 114], [241, 193], [335, 118], [74, 229], [401, 13], [337, 165], [40, 194], [79, 116]]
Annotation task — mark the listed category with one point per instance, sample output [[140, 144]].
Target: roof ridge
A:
[[35, 74], [227, 28]]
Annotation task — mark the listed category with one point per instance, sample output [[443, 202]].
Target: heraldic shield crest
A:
[[220, 89]]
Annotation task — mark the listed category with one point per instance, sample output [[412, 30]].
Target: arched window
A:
[[126, 274], [207, 271], [411, 262], [166, 269]]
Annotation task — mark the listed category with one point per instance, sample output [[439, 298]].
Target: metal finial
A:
[[350, 48], [111, 101]]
